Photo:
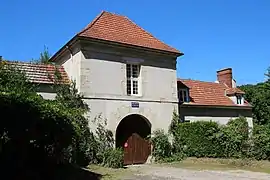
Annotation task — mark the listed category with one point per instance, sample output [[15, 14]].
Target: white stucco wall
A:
[[103, 84], [47, 95], [221, 115], [104, 76], [71, 63], [159, 114], [220, 120]]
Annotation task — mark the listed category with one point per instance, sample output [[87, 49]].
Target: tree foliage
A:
[[260, 148], [36, 133], [45, 56], [259, 97], [67, 94], [13, 80]]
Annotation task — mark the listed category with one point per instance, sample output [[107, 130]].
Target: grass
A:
[[109, 173], [222, 164]]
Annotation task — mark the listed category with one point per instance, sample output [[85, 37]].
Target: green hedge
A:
[[34, 131], [233, 139], [260, 142], [209, 139], [198, 139], [212, 140]]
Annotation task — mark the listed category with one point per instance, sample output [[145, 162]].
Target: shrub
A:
[[174, 123], [36, 132], [162, 148], [233, 138], [113, 158], [106, 154], [84, 145], [208, 139], [197, 139], [260, 147]]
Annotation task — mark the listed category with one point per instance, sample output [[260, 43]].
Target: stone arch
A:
[[130, 124]]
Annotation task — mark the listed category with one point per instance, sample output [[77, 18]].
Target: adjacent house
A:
[[128, 77], [218, 101]]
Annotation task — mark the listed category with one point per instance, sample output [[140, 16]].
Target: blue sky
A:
[[213, 34]]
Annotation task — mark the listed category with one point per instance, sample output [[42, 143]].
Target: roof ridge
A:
[[22, 63], [197, 80], [92, 23]]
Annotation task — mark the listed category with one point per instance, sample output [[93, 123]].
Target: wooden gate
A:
[[136, 150]]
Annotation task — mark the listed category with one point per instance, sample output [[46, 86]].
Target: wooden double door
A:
[[136, 150]]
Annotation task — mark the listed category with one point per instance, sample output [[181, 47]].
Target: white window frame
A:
[[132, 79], [182, 90], [239, 98]]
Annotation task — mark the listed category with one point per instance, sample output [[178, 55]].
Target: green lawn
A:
[[221, 164]]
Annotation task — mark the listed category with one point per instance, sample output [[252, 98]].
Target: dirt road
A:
[[150, 172]]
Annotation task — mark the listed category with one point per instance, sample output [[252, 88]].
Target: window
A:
[[238, 99], [183, 95], [133, 74]]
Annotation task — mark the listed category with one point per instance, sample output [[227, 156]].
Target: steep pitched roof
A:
[[41, 73], [209, 93], [120, 29]]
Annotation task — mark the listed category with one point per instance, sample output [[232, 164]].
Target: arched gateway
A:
[[131, 134]]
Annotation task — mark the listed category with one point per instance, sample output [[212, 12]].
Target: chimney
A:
[[225, 76]]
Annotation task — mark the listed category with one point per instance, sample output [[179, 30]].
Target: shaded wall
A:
[[220, 115]]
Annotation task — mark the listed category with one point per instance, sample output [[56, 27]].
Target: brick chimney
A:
[[225, 76]]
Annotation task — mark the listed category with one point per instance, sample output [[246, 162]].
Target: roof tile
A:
[[41, 73], [120, 29], [209, 93]]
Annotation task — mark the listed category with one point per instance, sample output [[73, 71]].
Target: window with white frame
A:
[[133, 79], [239, 99], [183, 95]]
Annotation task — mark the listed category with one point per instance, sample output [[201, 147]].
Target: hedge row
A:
[[209, 139]]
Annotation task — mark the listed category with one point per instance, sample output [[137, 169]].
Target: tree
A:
[[68, 95], [14, 80], [38, 133], [259, 97], [267, 83], [84, 143], [268, 74], [45, 56]]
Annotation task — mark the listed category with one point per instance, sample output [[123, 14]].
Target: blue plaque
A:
[[135, 104]]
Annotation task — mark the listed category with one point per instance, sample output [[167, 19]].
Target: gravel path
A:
[[148, 172]]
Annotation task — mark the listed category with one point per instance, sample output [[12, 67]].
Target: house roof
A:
[[231, 91], [209, 93], [119, 29], [112, 27], [41, 73]]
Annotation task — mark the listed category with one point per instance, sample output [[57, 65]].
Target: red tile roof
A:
[[231, 91], [41, 73], [209, 93], [120, 29]]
